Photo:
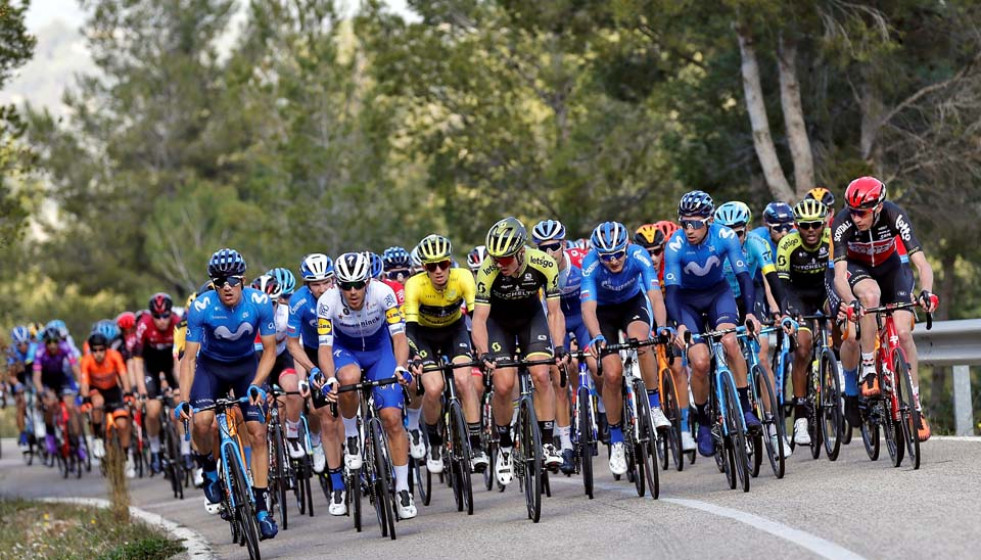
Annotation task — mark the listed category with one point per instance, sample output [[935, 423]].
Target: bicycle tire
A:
[[672, 435], [832, 417], [488, 439], [382, 484], [277, 474], [814, 422], [585, 440], [892, 429], [530, 445], [244, 514], [910, 416], [755, 440], [737, 438], [354, 497], [461, 454], [774, 420], [648, 441]]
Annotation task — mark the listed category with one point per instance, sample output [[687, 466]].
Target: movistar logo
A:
[[224, 333], [702, 270]]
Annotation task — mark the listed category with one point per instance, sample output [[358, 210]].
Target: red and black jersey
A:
[[148, 337], [877, 244]]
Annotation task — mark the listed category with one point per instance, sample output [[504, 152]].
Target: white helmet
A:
[[414, 257], [316, 267], [476, 257], [353, 267]]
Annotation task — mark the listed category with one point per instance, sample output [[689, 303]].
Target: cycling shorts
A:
[[531, 335], [717, 306], [576, 327], [113, 400], [615, 317], [213, 380], [155, 363], [452, 341], [375, 364], [894, 278]]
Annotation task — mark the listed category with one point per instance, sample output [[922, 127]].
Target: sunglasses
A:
[[860, 212], [780, 227], [348, 286], [608, 257], [161, 316], [232, 281], [550, 246], [98, 349], [810, 225], [396, 274], [693, 224], [655, 251], [433, 267], [739, 231], [504, 261]]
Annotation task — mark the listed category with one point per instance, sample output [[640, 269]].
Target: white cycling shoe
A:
[[434, 460], [352, 454], [504, 468], [660, 420], [801, 435], [417, 446], [552, 456], [295, 448], [338, 503], [319, 459], [618, 459], [405, 504], [687, 441]]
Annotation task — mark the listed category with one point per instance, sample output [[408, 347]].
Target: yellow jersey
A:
[[430, 307]]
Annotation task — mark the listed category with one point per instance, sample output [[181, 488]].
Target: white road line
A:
[[974, 439], [197, 547], [813, 543]]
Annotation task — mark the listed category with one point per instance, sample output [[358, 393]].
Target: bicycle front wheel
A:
[[670, 441], [737, 437], [277, 474], [773, 427], [646, 465], [832, 416], [910, 417], [586, 440], [244, 509], [380, 472], [460, 455], [530, 444]]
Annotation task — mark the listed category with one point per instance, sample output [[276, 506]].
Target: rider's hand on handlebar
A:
[[489, 363], [561, 356], [854, 311], [403, 375], [182, 411], [596, 345], [330, 395], [752, 325], [928, 301]]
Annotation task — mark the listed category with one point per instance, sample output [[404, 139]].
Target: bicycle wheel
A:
[[585, 440], [832, 416], [909, 415], [460, 455], [277, 474], [354, 496], [773, 427], [383, 484], [814, 421], [737, 438], [672, 435], [892, 430], [530, 446], [756, 447], [244, 509], [870, 431], [645, 449]]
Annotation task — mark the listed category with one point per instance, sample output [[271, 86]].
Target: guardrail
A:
[[957, 344]]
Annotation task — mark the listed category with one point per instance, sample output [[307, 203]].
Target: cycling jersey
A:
[[759, 259], [763, 232], [803, 267], [226, 334], [281, 315], [149, 337], [15, 356], [430, 307], [876, 245], [570, 285], [518, 296], [605, 287], [302, 322], [54, 368], [397, 288], [360, 329], [103, 375]]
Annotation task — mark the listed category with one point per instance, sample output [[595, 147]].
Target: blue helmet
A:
[[609, 237], [547, 230], [778, 213], [395, 258], [106, 328], [226, 262], [316, 267], [696, 203], [285, 278], [377, 265], [20, 335], [733, 214], [60, 325]]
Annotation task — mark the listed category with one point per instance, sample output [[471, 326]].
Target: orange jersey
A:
[[104, 375]]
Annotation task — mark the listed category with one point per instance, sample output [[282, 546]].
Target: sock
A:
[[350, 427], [851, 382], [684, 419], [49, 429], [916, 397], [248, 456], [401, 477], [314, 439], [868, 359], [211, 475], [600, 407], [504, 435], [701, 414], [548, 431], [435, 438], [744, 399], [207, 463], [616, 433], [292, 429], [654, 398], [514, 413], [97, 429], [185, 446], [337, 478], [154, 444], [413, 415], [473, 429], [260, 499], [800, 408], [564, 432]]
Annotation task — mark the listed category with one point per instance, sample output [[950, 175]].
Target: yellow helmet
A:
[[649, 235], [821, 194], [506, 238], [810, 210], [435, 248]]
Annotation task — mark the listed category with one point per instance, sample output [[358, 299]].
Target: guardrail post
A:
[[963, 410]]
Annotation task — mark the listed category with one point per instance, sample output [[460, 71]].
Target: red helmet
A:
[[667, 228], [126, 320], [160, 304], [865, 193]]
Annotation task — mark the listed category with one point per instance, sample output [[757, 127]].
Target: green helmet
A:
[[810, 210], [506, 238], [435, 248]]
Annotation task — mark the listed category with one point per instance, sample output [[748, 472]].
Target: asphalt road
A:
[[853, 508]]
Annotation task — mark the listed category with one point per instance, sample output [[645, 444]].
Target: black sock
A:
[[260, 498], [800, 408], [435, 439], [206, 462], [504, 435], [548, 428], [97, 429], [701, 414], [744, 399], [473, 429]]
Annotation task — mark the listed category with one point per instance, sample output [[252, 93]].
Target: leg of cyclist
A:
[[504, 380], [802, 364], [545, 408], [151, 420], [562, 414], [681, 387], [432, 383], [98, 416], [121, 419], [613, 401], [868, 293], [467, 391], [21, 403]]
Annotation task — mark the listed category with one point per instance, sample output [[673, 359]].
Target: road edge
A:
[[197, 548]]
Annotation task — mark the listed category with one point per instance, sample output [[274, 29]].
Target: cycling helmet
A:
[[476, 257], [126, 320], [414, 258], [160, 304], [778, 213], [20, 335], [269, 285], [36, 329], [435, 248], [395, 258], [810, 210], [51, 334], [287, 282], [609, 237], [60, 325], [316, 267], [506, 238], [107, 328], [648, 235], [226, 262], [696, 203], [733, 214], [547, 230], [821, 194], [667, 227], [353, 267], [98, 339], [377, 265], [865, 193]]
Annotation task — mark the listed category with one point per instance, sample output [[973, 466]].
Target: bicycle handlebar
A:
[[890, 307]]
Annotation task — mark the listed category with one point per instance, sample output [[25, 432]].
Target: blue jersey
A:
[[227, 334], [758, 257], [607, 288], [570, 283], [763, 233], [16, 357], [303, 317], [700, 267]]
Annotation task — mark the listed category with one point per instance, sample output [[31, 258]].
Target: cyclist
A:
[[869, 271], [180, 336], [66, 336], [696, 287], [826, 197], [126, 321], [378, 273], [508, 314], [55, 371], [317, 273], [652, 238], [359, 309], [219, 355], [778, 221], [105, 384], [153, 356], [475, 257], [396, 264], [619, 291], [414, 261], [20, 361], [549, 237], [435, 325]]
